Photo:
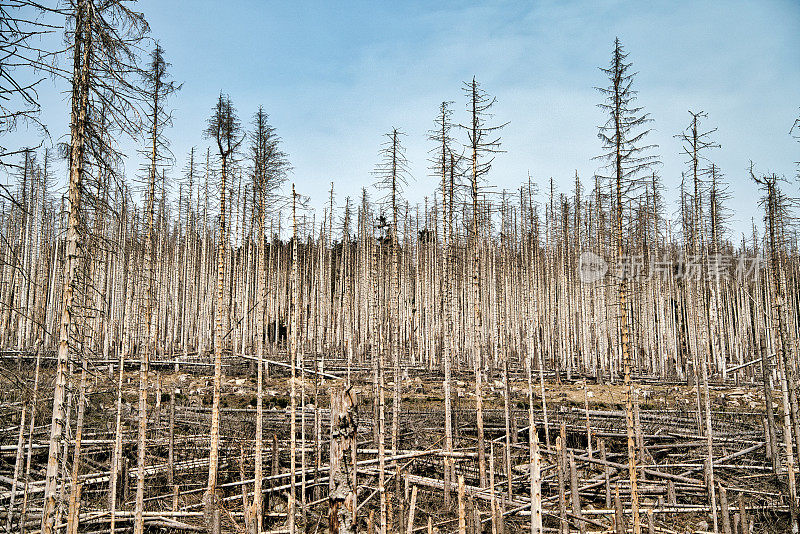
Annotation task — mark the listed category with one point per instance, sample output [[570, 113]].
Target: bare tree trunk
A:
[[535, 459], [210, 497], [24, 510], [74, 502], [17, 465], [80, 98], [341, 497], [295, 311]]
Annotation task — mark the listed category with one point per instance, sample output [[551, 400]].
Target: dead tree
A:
[[443, 166], [341, 495], [293, 356], [627, 158], [696, 142], [483, 143], [775, 205], [104, 37], [392, 173], [269, 167], [225, 130], [158, 88]]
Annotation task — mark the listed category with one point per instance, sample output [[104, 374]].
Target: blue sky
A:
[[335, 76]]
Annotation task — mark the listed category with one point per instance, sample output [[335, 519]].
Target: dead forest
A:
[[191, 348]]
